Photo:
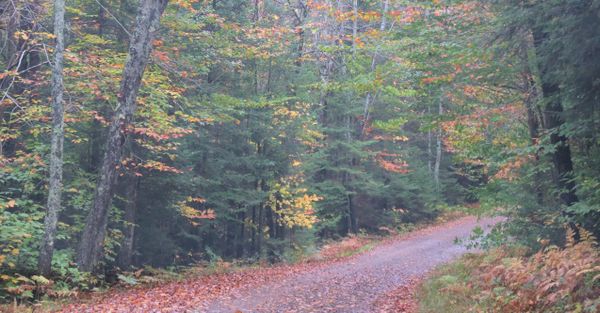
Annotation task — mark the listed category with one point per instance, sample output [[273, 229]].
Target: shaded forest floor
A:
[[379, 277]]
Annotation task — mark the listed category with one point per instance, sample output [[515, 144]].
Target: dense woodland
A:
[[167, 133]]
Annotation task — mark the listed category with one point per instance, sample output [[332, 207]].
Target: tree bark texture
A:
[[56, 147], [147, 22]]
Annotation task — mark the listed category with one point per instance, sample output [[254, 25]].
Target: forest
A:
[[145, 136]]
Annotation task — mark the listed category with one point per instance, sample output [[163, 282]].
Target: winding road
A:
[[355, 284]]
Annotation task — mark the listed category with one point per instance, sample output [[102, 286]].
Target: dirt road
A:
[[352, 286]]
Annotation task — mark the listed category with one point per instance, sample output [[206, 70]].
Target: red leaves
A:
[[399, 300]]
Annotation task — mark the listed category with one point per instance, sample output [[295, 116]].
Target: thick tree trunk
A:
[[56, 149], [561, 157], [553, 120], [147, 22]]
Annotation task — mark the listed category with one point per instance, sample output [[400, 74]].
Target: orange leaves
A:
[[161, 167], [172, 133], [407, 15], [550, 278], [395, 165], [509, 170], [7, 73], [186, 4], [441, 78], [161, 55]]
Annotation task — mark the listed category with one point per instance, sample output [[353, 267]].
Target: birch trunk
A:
[[147, 22], [56, 147], [369, 98], [438, 151], [429, 147]]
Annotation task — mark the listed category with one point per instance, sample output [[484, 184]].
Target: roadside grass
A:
[[447, 289], [510, 279]]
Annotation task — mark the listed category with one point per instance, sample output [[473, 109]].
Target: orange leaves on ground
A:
[[399, 300], [189, 295], [340, 249]]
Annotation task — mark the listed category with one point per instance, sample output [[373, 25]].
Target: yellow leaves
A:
[[189, 210], [286, 114], [186, 4], [292, 204], [196, 199], [161, 167]]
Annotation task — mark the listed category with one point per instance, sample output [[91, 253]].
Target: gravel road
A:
[[353, 285]]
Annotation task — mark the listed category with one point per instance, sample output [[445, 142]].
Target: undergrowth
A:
[[508, 280]]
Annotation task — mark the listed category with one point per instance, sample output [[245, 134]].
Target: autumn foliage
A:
[[507, 280]]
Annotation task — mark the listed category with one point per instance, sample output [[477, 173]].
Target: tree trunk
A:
[[354, 26], [438, 151], [369, 97], [561, 157], [147, 22], [429, 147], [533, 124], [553, 120], [56, 148]]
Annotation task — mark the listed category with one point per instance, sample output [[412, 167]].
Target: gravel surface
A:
[[353, 285]]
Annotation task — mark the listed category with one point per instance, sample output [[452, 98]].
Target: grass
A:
[[447, 289]]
